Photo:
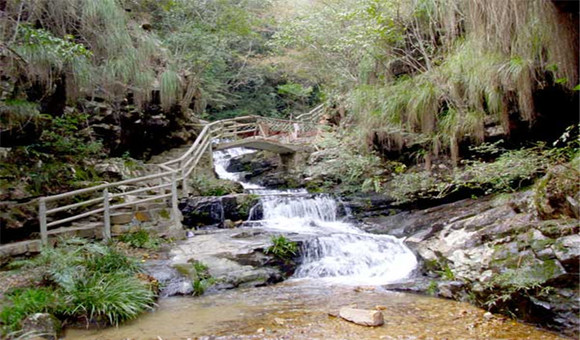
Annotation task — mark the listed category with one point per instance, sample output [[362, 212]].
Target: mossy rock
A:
[[557, 194]]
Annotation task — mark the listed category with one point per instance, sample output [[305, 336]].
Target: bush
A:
[[24, 302], [89, 281]]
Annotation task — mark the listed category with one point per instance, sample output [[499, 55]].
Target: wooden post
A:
[[174, 207], [184, 188], [160, 181], [42, 217], [107, 215]]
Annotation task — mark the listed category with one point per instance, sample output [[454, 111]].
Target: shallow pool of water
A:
[[301, 309]]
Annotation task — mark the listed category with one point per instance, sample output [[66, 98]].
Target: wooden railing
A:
[[313, 115], [102, 200]]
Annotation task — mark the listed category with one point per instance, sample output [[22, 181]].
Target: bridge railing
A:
[[102, 200]]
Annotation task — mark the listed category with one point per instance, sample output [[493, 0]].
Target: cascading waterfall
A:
[[221, 159], [335, 250]]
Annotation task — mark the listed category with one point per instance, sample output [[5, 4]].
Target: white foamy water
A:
[[222, 158], [335, 250]]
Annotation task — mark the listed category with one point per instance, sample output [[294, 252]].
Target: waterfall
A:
[[334, 250]]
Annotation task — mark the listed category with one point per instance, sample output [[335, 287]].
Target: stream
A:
[[341, 266]]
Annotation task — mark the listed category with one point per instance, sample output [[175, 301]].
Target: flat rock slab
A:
[[362, 317]]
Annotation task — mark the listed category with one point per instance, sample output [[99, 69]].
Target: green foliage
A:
[[282, 248], [431, 72], [66, 137], [199, 275], [432, 288], [523, 280], [110, 298], [91, 281], [17, 113], [509, 172], [202, 279], [27, 301], [142, 239], [170, 89]]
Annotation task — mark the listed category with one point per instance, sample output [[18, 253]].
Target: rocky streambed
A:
[[495, 252], [305, 309]]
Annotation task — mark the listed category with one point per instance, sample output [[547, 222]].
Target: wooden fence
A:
[[102, 200]]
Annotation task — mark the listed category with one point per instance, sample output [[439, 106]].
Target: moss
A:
[[164, 213], [245, 204]]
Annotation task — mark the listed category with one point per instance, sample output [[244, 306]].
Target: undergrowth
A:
[[142, 239], [206, 185], [510, 171], [89, 282]]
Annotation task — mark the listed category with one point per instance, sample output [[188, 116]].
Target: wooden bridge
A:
[[260, 144], [167, 181]]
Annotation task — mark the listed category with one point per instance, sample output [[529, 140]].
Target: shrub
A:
[[282, 248], [24, 302], [90, 281]]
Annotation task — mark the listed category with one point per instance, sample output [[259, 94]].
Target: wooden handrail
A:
[[170, 173]]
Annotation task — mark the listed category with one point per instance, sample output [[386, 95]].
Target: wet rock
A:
[[567, 250], [234, 258], [362, 317], [492, 246], [371, 205], [171, 281], [200, 211], [450, 289], [43, 325], [215, 210], [254, 164]]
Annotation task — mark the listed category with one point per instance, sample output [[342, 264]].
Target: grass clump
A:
[[202, 279], [142, 239], [91, 282], [199, 274]]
